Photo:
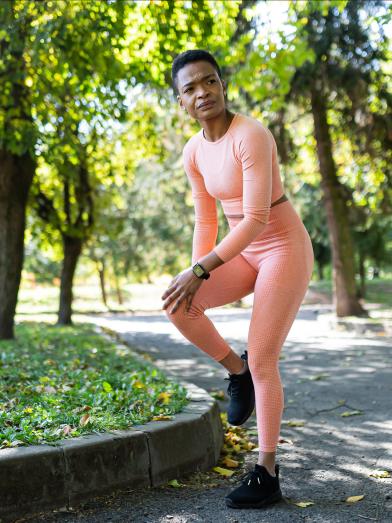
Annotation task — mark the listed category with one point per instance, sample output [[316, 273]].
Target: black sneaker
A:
[[242, 396], [258, 489]]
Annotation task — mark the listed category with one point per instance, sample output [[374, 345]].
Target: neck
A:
[[214, 128]]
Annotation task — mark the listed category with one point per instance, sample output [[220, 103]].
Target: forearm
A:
[[204, 239], [238, 239], [231, 245], [210, 261]]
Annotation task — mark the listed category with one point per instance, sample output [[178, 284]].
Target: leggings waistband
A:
[[282, 199]]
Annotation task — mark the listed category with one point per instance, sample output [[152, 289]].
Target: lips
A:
[[206, 104]]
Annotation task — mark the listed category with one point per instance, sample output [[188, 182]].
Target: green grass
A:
[[61, 382], [322, 286], [379, 291], [45, 298], [41, 298], [41, 301]]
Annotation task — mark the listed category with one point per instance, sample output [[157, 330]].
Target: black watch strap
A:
[[200, 271]]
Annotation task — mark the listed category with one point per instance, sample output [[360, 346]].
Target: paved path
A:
[[329, 458]]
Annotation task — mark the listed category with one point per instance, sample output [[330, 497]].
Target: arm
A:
[[206, 218], [255, 154]]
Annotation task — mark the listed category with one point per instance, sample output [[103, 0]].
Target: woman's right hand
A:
[[182, 287]]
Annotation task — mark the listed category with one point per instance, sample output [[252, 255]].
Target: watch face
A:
[[198, 270]]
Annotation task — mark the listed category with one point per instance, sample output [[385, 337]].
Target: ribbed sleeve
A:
[[255, 152], [206, 216]]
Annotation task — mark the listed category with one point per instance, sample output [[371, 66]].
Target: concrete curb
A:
[[44, 477]]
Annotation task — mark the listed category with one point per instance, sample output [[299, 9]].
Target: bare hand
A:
[[183, 286]]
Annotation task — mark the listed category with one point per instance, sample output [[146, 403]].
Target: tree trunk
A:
[[320, 271], [16, 175], [72, 249], [344, 291], [116, 283], [120, 298], [362, 274], [101, 272]]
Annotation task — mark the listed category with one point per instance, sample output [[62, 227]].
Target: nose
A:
[[201, 90], [201, 95]]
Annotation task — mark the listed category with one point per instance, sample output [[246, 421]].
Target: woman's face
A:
[[199, 83]]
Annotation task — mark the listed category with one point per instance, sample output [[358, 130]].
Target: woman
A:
[[268, 251]]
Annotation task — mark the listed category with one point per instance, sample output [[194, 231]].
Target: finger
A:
[[172, 297], [167, 303], [168, 291], [177, 304]]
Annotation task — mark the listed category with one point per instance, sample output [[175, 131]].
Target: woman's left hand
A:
[[183, 286]]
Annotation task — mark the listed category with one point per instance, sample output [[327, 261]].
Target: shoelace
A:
[[250, 476], [232, 390]]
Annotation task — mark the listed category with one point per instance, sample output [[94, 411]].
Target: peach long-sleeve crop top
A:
[[241, 170]]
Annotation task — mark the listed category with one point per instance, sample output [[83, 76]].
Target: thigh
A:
[[280, 287], [227, 283]]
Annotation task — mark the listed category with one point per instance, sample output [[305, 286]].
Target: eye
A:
[[212, 80]]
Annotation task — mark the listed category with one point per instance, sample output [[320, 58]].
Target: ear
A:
[[180, 102], [224, 87]]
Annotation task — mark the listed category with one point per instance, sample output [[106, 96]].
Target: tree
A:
[[86, 96], [309, 73], [17, 159], [87, 105], [45, 60]]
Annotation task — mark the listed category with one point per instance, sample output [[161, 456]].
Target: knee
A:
[[262, 368], [181, 315]]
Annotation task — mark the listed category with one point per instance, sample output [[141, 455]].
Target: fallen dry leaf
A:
[[138, 385], [164, 397], [223, 472], [218, 394], [380, 474], [84, 420], [285, 440], [293, 423], [236, 438], [347, 413], [174, 483], [228, 462], [161, 417], [17, 443], [249, 445], [303, 504], [354, 499], [67, 429]]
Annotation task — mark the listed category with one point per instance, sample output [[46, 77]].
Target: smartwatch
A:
[[200, 271]]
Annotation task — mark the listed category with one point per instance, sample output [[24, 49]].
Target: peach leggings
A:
[[277, 266]]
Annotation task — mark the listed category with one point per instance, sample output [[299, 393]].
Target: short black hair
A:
[[187, 57]]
